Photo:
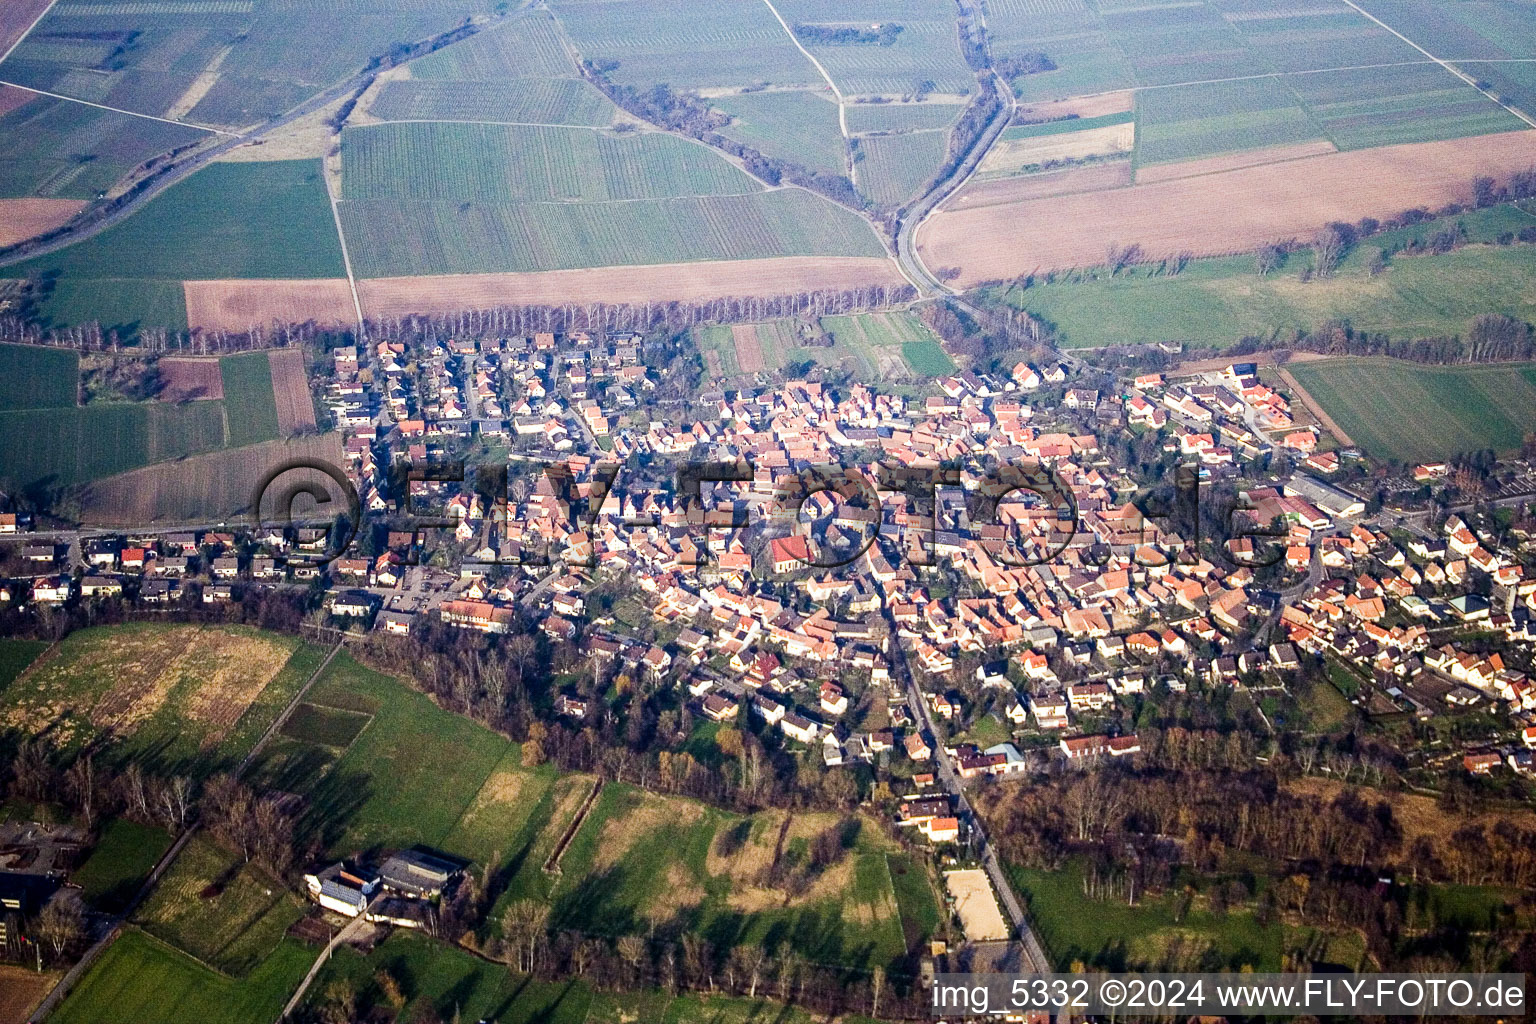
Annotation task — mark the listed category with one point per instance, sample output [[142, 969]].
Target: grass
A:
[[229, 220], [1216, 302], [1454, 409], [142, 980], [35, 377], [122, 858], [328, 727], [394, 237], [927, 358], [1112, 934], [15, 656], [249, 404], [877, 339], [212, 907], [185, 699]]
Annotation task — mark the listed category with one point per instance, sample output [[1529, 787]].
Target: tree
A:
[[632, 952], [1327, 250], [62, 922], [81, 782], [1269, 258], [522, 924]]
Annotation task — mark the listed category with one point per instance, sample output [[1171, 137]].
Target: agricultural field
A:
[[526, 45], [213, 484], [869, 117], [659, 42], [389, 238], [506, 163], [190, 379], [22, 988], [1455, 409], [1215, 302], [897, 343], [177, 694], [248, 399], [218, 910], [229, 220], [1195, 121], [797, 125], [146, 981], [894, 168], [1385, 106], [124, 855], [552, 101], [35, 377], [1033, 147], [238, 305], [924, 57], [15, 656]]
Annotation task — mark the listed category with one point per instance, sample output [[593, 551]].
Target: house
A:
[[918, 748], [798, 727], [718, 709], [1050, 710], [789, 553], [1480, 764], [417, 874], [1079, 748], [833, 700], [571, 707], [341, 889], [356, 604], [942, 830]]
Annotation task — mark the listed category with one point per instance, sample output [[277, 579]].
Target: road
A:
[[115, 927], [1033, 954], [351, 928]]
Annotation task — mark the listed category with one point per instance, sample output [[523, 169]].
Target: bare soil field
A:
[[241, 305], [1229, 211], [22, 989], [204, 488], [1081, 106], [399, 296], [12, 96], [980, 917], [1232, 161], [21, 219], [290, 389], [190, 378], [1011, 156], [16, 16], [1039, 186], [749, 350]]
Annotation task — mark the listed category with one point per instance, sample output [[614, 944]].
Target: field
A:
[[1215, 302], [389, 238], [16, 655], [174, 694], [16, 18], [240, 220], [35, 377], [1026, 147], [328, 727], [23, 218], [864, 118], [22, 988], [290, 391], [796, 125], [143, 980], [252, 409], [1195, 121], [1214, 213], [975, 903], [236, 305], [894, 168], [122, 859], [1231, 161], [398, 296], [215, 484], [528, 164], [552, 101], [189, 379], [1454, 409], [441, 980], [222, 912], [889, 340], [1383, 106]]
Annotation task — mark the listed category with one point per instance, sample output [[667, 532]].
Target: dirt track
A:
[[1216, 213]]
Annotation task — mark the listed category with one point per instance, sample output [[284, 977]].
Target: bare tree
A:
[[62, 922], [1327, 250], [523, 925]]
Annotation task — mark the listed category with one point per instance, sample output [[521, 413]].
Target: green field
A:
[[877, 338], [328, 727], [122, 859], [526, 45], [34, 377], [212, 907], [392, 238], [1194, 121], [44, 449], [235, 220], [1453, 409], [142, 980], [248, 399], [1385, 106], [794, 125], [60, 150], [1215, 302], [15, 656], [927, 358], [184, 698], [901, 117], [926, 50], [555, 101], [894, 168], [502, 163]]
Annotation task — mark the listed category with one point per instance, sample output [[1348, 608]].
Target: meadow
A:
[[1455, 409], [507, 163], [124, 855], [35, 377], [390, 238], [889, 339], [146, 981], [249, 404], [1215, 302], [185, 698], [242, 220]]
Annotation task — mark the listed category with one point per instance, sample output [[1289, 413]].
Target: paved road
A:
[[66, 983], [350, 929], [1033, 954]]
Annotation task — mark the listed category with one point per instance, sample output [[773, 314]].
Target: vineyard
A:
[[556, 101], [795, 125], [896, 167]]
